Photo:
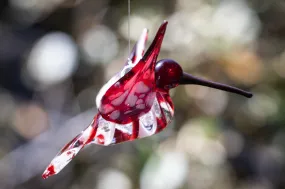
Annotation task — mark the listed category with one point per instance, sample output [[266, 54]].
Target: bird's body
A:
[[135, 103]]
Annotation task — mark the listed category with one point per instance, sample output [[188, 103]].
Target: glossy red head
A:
[[167, 74]]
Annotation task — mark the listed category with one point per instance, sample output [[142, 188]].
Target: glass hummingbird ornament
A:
[[135, 103]]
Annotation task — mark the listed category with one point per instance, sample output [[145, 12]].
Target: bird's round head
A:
[[167, 74]]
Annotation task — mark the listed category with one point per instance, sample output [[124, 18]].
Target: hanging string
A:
[[129, 14]]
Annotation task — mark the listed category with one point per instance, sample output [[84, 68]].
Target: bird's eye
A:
[[167, 74]]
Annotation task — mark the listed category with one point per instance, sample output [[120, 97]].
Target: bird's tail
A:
[[70, 150]]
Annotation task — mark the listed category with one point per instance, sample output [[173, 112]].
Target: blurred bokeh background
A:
[[56, 54]]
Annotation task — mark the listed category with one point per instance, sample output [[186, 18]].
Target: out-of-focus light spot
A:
[[191, 133], [28, 11], [262, 106], [235, 22], [53, 59], [213, 153], [181, 38], [203, 149], [168, 145], [214, 102], [138, 22], [201, 176], [168, 171], [7, 107], [29, 4], [124, 162], [114, 67], [243, 67], [30, 120], [233, 143], [211, 101], [99, 44], [189, 5], [113, 178], [228, 24], [196, 92]]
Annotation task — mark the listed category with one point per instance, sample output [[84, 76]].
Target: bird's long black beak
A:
[[189, 79]]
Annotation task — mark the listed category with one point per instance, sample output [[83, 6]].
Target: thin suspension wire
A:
[[129, 15]]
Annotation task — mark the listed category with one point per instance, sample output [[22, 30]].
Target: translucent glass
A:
[[130, 105]]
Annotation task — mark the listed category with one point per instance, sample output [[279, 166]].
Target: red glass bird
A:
[[135, 103]]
